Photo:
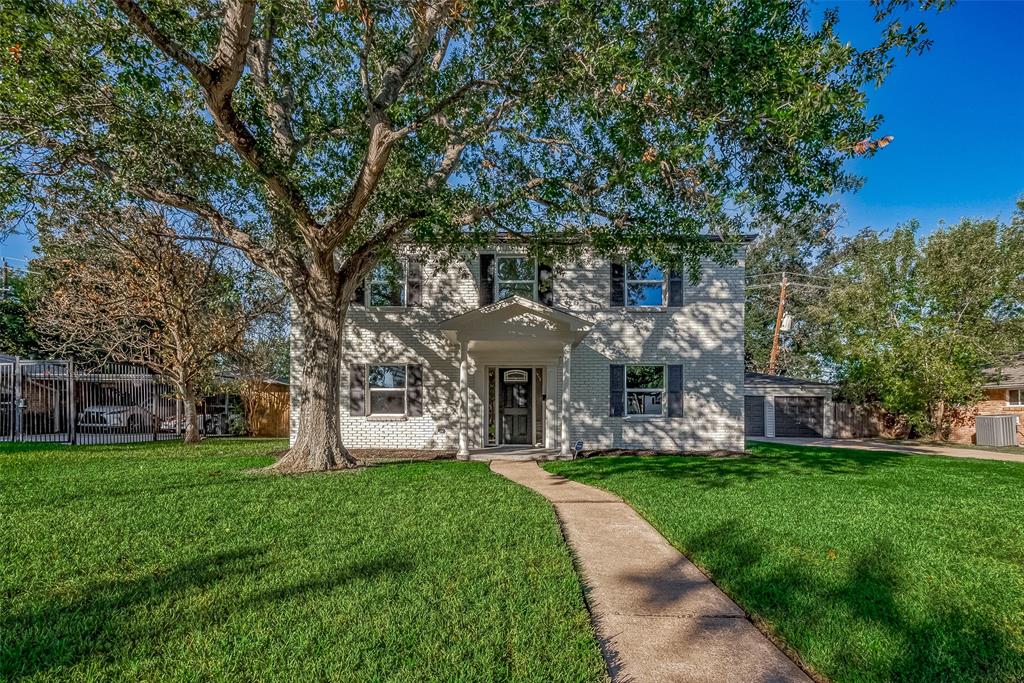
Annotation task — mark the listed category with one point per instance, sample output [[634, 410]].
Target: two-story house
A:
[[497, 349]]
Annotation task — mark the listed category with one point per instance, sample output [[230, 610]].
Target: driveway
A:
[[881, 445]]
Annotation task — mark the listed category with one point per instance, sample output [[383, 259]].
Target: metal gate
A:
[[56, 401], [7, 401], [42, 401]]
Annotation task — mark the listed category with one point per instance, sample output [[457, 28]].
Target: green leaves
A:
[[911, 322], [647, 122]]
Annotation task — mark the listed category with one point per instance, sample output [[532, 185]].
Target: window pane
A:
[[383, 294], [643, 295], [387, 285], [387, 376], [645, 377], [387, 271], [644, 271], [516, 268], [643, 402], [1016, 397], [505, 290], [387, 402]]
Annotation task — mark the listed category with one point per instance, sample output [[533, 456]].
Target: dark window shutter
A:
[[675, 391], [486, 279], [413, 284], [545, 285], [616, 390], [618, 284], [357, 390], [675, 288], [359, 296], [414, 390]]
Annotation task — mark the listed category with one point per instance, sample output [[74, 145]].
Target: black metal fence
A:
[[51, 400]]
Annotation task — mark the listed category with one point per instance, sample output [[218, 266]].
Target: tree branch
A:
[[218, 82]]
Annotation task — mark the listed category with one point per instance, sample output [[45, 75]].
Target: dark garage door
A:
[[753, 408], [798, 415]]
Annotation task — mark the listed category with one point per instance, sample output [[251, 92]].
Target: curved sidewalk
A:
[[657, 617]]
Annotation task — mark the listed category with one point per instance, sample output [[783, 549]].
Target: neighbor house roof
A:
[[1009, 375], [757, 379]]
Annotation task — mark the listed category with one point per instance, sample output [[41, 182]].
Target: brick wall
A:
[[994, 403], [705, 335]]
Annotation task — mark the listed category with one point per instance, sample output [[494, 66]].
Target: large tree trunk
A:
[[188, 397], [318, 444], [938, 415], [188, 403]]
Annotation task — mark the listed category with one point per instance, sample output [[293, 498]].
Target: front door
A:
[[514, 391]]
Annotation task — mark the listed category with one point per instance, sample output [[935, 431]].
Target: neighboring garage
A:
[[787, 406]]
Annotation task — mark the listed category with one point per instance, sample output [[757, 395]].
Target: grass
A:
[[873, 566], [158, 561]]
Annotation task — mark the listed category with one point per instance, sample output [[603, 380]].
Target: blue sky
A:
[[957, 114]]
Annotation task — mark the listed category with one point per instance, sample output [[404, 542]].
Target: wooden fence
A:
[[850, 421]]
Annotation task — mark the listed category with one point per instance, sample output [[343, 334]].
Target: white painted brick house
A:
[[614, 355]]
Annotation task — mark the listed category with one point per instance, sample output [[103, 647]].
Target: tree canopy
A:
[[911, 322], [315, 136], [118, 285]]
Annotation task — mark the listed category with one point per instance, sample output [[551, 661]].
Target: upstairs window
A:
[[387, 390], [645, 284], [1015, 397], [645, 389], [515, 276], [387, 285]]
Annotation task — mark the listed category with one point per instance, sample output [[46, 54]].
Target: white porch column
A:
[[463, 453], [565, 450]]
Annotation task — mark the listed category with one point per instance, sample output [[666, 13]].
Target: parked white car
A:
[[128, 418]]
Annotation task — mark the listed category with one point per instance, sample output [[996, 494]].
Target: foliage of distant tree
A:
[[794, 245], [910, 322], [18, 337], [317, 136], [118, 285]]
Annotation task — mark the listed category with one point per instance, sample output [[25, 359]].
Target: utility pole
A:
[[773, 360]]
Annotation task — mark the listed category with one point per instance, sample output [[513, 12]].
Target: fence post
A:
[[18, 410], [72, 404], [152, 393]]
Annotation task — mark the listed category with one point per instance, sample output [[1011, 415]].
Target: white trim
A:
[[625, 391], [498, 280], [626, 282], [369, 282], [1020, 398], [404, 389]]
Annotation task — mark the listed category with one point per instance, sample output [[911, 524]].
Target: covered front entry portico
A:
[[520, 350]]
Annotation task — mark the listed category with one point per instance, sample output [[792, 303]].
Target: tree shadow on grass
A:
[[722, 472], [857, 621], [115, 618]]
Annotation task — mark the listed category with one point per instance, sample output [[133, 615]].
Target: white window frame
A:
[[627, 282], [1020, 398], [370, 282], [370, 389], [498, 280], [626, 389]]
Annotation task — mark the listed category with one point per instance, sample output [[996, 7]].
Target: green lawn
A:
[[160, 561], [873, 566]]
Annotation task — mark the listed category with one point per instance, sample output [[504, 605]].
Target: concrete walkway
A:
[[657, 617], [895, 447]]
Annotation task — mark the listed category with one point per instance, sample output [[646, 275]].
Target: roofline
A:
[[786, 380], [745, 237]]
